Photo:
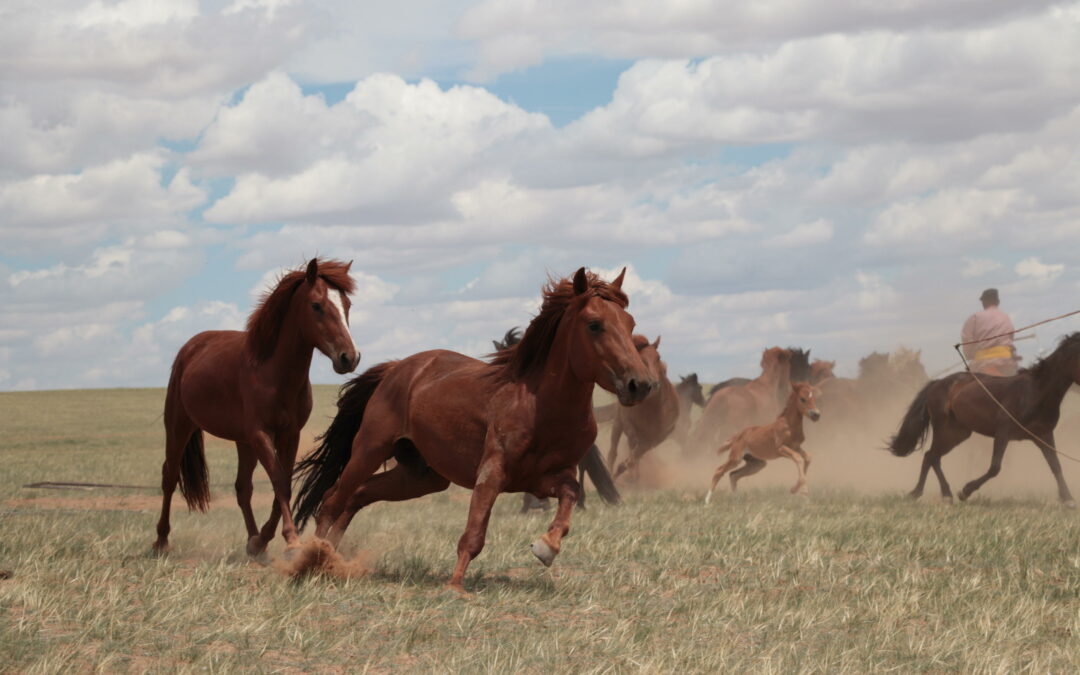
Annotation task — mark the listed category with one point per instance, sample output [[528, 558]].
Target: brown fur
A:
[[783, 438]]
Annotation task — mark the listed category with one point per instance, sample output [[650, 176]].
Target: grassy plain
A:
[[853, 579]]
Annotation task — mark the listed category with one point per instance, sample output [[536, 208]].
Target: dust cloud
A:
[[848, 455]]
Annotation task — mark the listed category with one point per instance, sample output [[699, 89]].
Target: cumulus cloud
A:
[[517, 33]]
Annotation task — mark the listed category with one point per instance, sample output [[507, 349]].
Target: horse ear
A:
[[656, 345], [619, 279], [692, 377], [581, 282], [348, 266], [313, 270]]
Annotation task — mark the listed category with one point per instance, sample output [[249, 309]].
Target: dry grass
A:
[[760, 581]]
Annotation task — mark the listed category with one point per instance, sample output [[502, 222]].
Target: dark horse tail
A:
[[593, 464], [916, 424], [321, 469], [194, 476]]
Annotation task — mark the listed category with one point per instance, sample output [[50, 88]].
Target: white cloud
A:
[[1036, 270], [517, 33], [118, 197]]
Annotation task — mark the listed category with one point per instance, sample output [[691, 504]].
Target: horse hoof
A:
[[458, 589], [964, 494], [543, 552], [255, 546], [708, 497], [947, 500], [161, 548], [1069, 504], [914, 495]]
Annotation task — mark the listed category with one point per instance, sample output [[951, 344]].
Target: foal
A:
[[782, 438]]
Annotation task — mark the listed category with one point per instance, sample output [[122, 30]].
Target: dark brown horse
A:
[[955, 406], [592, 464], [649, 424], [520, 423], [252, 387], [690, 393], [734, 407]]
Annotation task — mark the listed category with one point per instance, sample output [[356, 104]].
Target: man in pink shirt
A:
[[996, 355]]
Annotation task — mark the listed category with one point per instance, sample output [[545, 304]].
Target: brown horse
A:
[[733, 407], [955, 406], [520, 423], [649, 424], [782, 438], [592, 464], [252, 387]]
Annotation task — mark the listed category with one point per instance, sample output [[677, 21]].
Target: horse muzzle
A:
[[346, 361], [633, 390], [814, 415]]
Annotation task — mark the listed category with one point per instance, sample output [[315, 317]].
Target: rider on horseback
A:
[[988, 338]]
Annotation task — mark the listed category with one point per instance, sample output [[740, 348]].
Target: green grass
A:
[[759, 581]]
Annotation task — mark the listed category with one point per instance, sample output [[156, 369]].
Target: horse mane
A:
[[800, 364], [1068, 348], [511, 338], [531, 352], [264, 323]]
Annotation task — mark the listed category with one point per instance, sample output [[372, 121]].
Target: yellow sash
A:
[[999, 352]]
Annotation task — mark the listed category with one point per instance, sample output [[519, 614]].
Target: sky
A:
[[834, 174]]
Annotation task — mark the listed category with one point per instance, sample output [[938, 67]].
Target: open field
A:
[[854, 579]]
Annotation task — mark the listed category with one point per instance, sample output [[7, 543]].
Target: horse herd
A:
[[524, 421]]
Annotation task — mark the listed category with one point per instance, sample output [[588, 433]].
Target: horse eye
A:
[[317, 306], [595, 326]]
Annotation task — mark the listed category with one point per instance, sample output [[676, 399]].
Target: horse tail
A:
[[321, 469], [194, 476], [593, 464], [915, 425]]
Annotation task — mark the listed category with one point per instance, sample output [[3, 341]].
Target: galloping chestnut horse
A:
[[252, 387], [649, 424], [520, 423], [955, 406], [592, 464], [734, 407], [782, 438]]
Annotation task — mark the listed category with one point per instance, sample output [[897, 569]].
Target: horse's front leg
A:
[[268, 457], [547, 546], [286, 443], [490, 481], [1001, 440]]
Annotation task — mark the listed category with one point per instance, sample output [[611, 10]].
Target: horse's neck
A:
[[559, 392], [793, 417], [290, 363], [1052, 389]]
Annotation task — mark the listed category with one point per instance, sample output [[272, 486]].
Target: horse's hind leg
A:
[[396, 485], [177, 433], [752, 466], [364, 462], [1055, 466], [245, 467], [734, 457], [1001, 440], [800, 464], [945, 439]]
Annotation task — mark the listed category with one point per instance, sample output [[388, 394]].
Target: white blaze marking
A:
[[337, 299]]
